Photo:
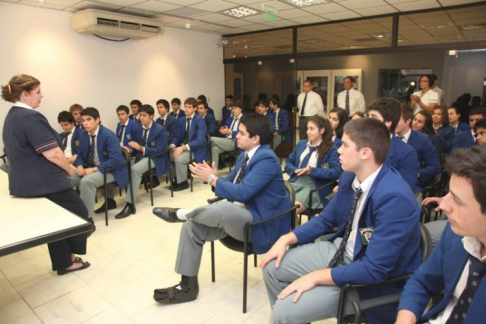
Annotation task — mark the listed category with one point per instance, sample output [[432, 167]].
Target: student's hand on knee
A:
[[278, 250], [80, 171], [178, 151], [299, 286]]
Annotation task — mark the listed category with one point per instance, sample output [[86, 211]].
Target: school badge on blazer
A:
[[105, 153], [129, 136], [152, 143], [366, 234], [77, 143], [325, 165]]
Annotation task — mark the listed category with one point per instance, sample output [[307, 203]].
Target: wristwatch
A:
[[211, 178]]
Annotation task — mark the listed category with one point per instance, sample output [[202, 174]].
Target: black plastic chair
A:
[[246, 247], [312, 212], [150, 174], [231, 155], [360, 306]]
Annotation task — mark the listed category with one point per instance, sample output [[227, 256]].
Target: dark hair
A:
[[17, 84], [136, 102], [191, 101], [359, 113], [478, 111], [275, 100], [326, 142], [75, 107], [389, 109], [229, 97], [176, 101], [432, 78], [466, 97], [369, 132], [164, 103], [480, 124], [257, 124], [263, 102], [65, 116], [429, 80], [469, 163], [445, 119], [204, 103], [147, 109], [343, 119], [350, 78], [239, 104], [429, 125], [406, 112], [123, 108], [262, 96], [476, 101], [202, 97], [455, 106], [90, 111]]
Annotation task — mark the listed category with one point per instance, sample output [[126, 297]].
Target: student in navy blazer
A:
[[454, 116], [202, 110], [125, 133], [281, 121], [226, 109], [176, 112], [254, 190], [322, 166], [135, 105], [150, 140], [462, 243], [71, 136], [166, 119], [400, 156], [107, 152], [468, 138], [384, 241], [184, 147], [264, 109], [446, 133]]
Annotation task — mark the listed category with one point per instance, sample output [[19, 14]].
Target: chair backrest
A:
[[425, 242]]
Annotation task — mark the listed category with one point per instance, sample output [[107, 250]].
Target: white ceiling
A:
[[205, 15]]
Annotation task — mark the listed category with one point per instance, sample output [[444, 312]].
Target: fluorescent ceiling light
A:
[[473, 26], [240, 12], [304, 3], [312, 41]]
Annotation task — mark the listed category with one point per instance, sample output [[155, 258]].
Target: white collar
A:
[[251, 152], [150, 126], [367, 183], [22, 105], [473, 246]]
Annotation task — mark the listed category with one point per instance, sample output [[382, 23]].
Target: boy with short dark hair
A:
[[70, 137], [166, 119], [177, 112], [135, 106], [126, 126], [202, 110]]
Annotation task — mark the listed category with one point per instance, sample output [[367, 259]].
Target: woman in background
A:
[[338, 117], [425, 99]]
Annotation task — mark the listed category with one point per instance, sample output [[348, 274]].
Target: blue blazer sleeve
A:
[[210, 125], [109, 151], [283, 122], [447, 134], [427, 156], [293, 161], [180, 132]]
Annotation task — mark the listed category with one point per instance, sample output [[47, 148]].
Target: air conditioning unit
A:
[[112, 24]]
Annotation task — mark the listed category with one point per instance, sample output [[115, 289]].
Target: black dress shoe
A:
[[126, 211], [181, 186], [64, 271], [167, 214], [111, 205]]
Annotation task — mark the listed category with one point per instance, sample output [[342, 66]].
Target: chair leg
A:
[[213, 272], [106, 204], [255, 260], [245, 280]]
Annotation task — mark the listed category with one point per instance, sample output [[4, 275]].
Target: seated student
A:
[[166, 119], [229, 131], [400, 156], [202, 110], [456, 267], [135, 106], [203, 99], [126, 126], [71, 137], [264, 109], [281, 122], [422, 123], [226, 110], [378, 236], [358, 115], [313, 163], [76, 110], [454, 116], [446, 133], [100, 149], [176, 112], [148, 140], [480, 130], [468, 139], [190, 137], [254, 190], [428, 160], [338, 117]]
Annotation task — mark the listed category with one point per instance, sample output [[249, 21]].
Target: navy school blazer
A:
[[429, 162], [284, 125], [446, 134], [179, 115], [463, 140], [403, 158], [156, 143], [170, 126], [197, 137], [109, 153], [210, 124], [75, 139], [129, 131]]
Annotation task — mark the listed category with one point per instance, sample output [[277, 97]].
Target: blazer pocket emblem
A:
[[77, 143], [129, 136], [152, 143], [105, 153], [366, 234], [325, 165]]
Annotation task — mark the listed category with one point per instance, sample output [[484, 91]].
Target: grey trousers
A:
[[303, 128], [435, 229], [208, 223], [180, 165], [220, 145], [87, 186], [319, 303], [138, 169], [277, 139]]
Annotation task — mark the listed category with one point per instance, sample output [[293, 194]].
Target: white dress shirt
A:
[[429, 97], [356, 101], [313, 104]]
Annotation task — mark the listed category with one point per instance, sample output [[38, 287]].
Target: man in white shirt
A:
[[350, 99], [435, 87], [457, 265], [309, 104]]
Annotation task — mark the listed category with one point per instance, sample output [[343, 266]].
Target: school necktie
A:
[[302, 111], [235, 120], [188, 128], [306, 159], [64, 141], [144, 138], [162, 122], [91, 156], [276, 121], [346, 103], [241, 174], [477, 269], [347, 231], [120, 134]]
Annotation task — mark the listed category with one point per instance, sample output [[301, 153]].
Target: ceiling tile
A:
[[167, 19], [341, 15], [137, 12], [280, 23], [381, 10], [121, 3], [292, 13], [255, 27], [186, 12], [155, 6], [417, 5], [182, 2], [41, 5], [309, 20], [214, 17], [214, 5], [232, 31], [274, 4], [235, 22], [324, 8], [95, 5], [360, 4], [243, 2], [456, 2], [259, 18]]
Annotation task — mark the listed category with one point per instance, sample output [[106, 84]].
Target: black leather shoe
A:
[[111, 205], [186, 291], [126, 211], [181, 186], [167, 214], [64, 271]]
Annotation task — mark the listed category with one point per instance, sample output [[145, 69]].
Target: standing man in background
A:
[[309, 104], [350, 99]]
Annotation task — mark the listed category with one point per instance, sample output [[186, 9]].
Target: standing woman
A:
[[338, 117], [313, 163], [38, 166], [426, 98], [446, 133]]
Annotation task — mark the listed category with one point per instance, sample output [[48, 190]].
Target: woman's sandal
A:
[[64, 271]]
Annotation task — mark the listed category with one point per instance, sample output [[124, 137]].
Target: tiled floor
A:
[[129, 258]]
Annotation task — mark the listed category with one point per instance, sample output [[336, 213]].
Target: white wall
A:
[[462, 74], [78, 68]]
